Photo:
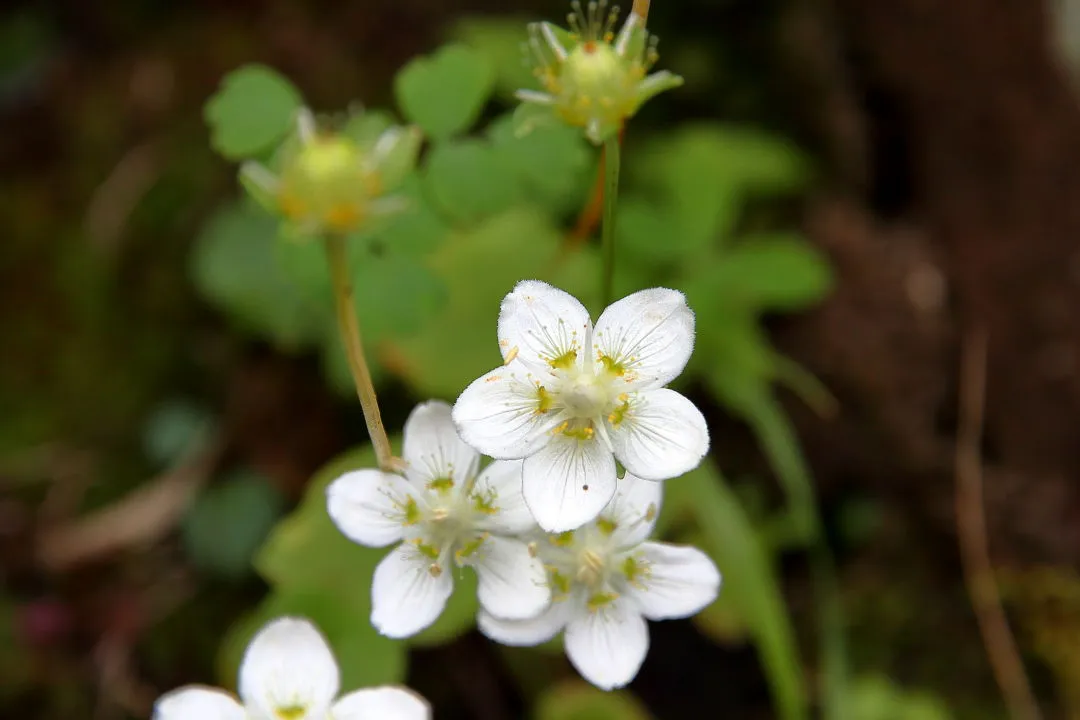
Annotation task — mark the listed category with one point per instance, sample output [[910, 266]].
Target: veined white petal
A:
[[568, 482], [608, 645], [534, 96], [634, 509], [541, 325], [650, 334], [434, 450], [679, 581], [198, 703], [501, 414], [289, 666], [382, 703], [526, 633], [662, 435], [369, 506], [500, 482], [513, 583], [407, 592]]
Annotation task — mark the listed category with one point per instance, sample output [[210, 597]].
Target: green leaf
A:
[[774, 272], [306, 551], [575, 700], [252, 110], [648, 235], [228, 522], [395, 295], [468, 181], [235, 267], [365, 658], [444, 93], [500, 40], [480, 267], [553, 163], [749, 578], [706, 171], [173, 430], [416, 231]]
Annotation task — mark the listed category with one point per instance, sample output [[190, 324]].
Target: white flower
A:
[[607, 581], [572, 399], [446, 515], [592, 78], [289, 673]]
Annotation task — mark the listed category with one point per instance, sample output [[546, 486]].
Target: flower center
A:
[[327, 182], [586, 396]]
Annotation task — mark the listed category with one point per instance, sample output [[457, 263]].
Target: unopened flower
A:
[[607, 580], [329, 182], [289, 673], [571, 399], [592, 78], [444, 515]]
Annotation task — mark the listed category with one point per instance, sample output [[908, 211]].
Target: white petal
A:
[[608, 645], [500, 483], [661, 436], [633, 510], [622, 42], [382, 703], [368, 506], [289, 665], [499, 414], [534, 631], [534, 96], [568, 483], [406, 594], [679, 581], [433, 449], [650, 334], [553, 41], [539, 323], [198, 703], [305, 125], [513, 583]]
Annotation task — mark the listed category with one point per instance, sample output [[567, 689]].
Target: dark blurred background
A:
[[947, 136]]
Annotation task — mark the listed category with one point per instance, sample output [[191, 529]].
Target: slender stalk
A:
[[974, 547], [611, 196], [349, 326]]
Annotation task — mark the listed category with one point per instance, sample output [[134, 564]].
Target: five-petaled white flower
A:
[[571, 399], [289, 673], [607, 580], [447, 515]]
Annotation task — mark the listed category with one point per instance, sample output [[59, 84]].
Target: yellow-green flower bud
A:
[[592, 78], [328, 182]]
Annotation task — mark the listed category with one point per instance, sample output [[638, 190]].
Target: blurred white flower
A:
[[607, 580], [447, 516], [289, 673], [329, 182], [592, 78], [571, 399]]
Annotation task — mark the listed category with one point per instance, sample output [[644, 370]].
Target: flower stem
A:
[[611, 192], [349, 327]]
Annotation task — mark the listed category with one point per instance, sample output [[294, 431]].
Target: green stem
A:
[[349, 326], [611, 196]]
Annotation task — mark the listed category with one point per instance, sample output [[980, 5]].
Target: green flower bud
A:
[[592, 78], [328, 182]]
